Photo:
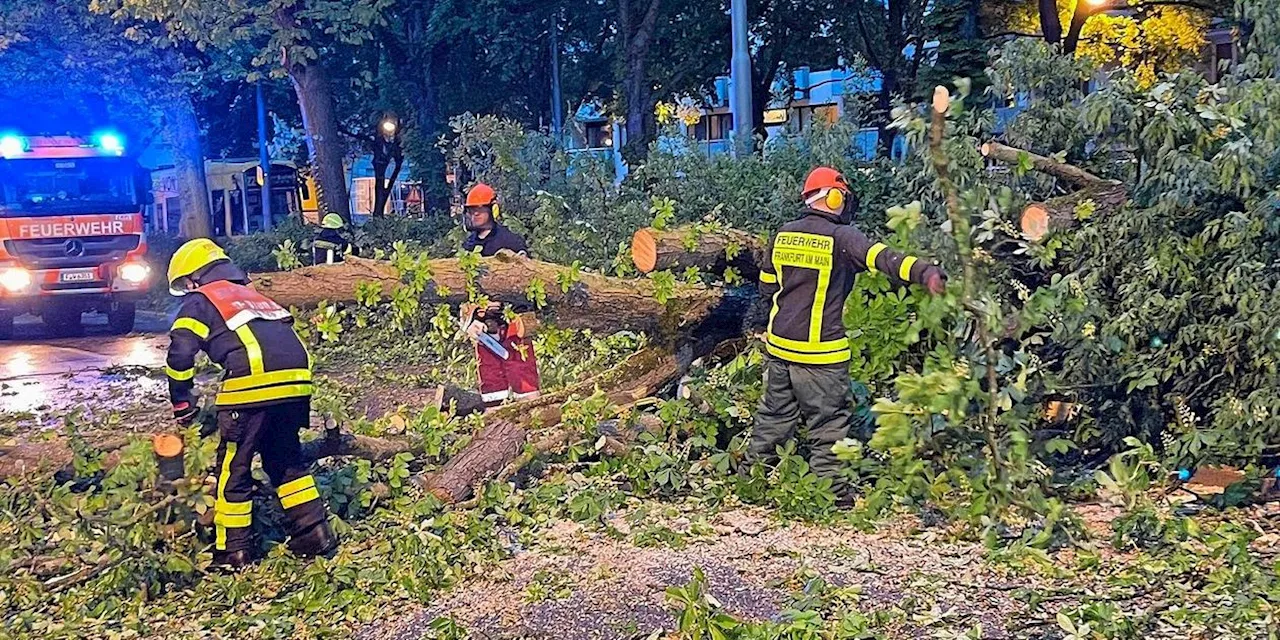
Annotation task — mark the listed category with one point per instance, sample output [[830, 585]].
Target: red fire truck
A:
[[71, 230]]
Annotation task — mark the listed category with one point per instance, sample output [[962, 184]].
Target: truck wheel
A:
[[63, 323], [120, 317], [6, 325]]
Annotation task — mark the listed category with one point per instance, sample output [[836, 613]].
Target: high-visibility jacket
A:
[[250, 336], [331, 247], [808, 272]]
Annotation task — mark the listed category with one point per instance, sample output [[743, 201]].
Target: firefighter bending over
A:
[[507, 364], [264, 401], [808, 272], [330, 246]]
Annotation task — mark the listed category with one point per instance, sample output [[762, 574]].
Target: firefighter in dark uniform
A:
[[516, 375], [330, 246], [808, 272], [264, 401]]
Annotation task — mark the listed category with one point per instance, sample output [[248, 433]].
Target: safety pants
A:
[[515, 377], [817, 396], [271, 431]]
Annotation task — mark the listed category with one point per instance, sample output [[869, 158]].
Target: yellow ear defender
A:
[[495, 212], [835, 198]]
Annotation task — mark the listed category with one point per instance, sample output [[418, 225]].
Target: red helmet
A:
[[481, 195], [823, 178]]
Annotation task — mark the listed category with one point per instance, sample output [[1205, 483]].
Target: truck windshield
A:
[[56, 186]]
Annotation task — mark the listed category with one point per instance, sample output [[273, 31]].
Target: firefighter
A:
[[330, 246], [264, 401], [807, 274], [508, 366]]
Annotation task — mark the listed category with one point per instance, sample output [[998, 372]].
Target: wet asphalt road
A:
[[40, 373]]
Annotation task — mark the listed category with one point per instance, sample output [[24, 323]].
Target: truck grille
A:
[[65, 253]]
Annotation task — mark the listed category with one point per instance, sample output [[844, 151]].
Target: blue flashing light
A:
[[1184, 474], [12, 146], [111, 143]]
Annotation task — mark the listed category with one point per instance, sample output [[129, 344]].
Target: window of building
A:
[[713, 126], [1224, 57], [599, 134], [806, 117]]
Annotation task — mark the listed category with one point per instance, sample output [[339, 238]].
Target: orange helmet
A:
[[481, 195], [823, 178]]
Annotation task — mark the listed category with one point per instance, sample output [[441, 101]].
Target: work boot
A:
[[846, 498], [319, 540], [232, 560]]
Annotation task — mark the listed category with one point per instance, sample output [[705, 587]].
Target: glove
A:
[[185, 412], [936, 281]]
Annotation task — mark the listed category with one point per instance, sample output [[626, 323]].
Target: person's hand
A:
[[516, 327], [466, 314], [936, 282], [185, 412]]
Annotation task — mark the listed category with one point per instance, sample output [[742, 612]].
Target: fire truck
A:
[[71, 230]]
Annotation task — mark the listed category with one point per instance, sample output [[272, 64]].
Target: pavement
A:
[[41, 374]]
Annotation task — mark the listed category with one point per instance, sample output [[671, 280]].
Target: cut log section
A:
[[1062, 213], [684, 247], [593, 301]]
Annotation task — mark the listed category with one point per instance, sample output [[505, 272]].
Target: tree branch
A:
[[1020, 34], [1070, 173]]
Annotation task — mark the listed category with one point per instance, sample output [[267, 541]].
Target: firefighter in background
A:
[[330, 246], [264, 401], [807, 274], [508, 366]]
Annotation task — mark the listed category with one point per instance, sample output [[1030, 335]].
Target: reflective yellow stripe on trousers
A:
[[228, 515], [296, 492]]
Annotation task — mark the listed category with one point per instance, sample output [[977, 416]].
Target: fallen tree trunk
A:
[[496, 450], [505, 435], [709, 251], [337, 443], [592, 301], [1093, 195]]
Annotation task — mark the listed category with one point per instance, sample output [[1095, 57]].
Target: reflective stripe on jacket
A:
[[808, 272]]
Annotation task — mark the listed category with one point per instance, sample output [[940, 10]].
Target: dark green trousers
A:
[[816, 396]]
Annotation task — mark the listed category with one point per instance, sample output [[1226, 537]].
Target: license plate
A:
[[83, 275]]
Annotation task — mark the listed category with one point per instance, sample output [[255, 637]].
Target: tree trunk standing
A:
[[896, 41], [884, 107], [639, 38], [764, 70], [182, 133], [383, 184], [1050, 23], [324, 141], [1078, 18]]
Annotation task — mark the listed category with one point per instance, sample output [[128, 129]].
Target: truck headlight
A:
[[15, 279], [134, 272]]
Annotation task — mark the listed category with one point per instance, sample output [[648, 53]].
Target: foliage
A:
[[1151, 40]]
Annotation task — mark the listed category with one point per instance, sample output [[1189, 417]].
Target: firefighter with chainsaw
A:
[[807, 274], [264, 401], [330, 246], [508, 366]]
